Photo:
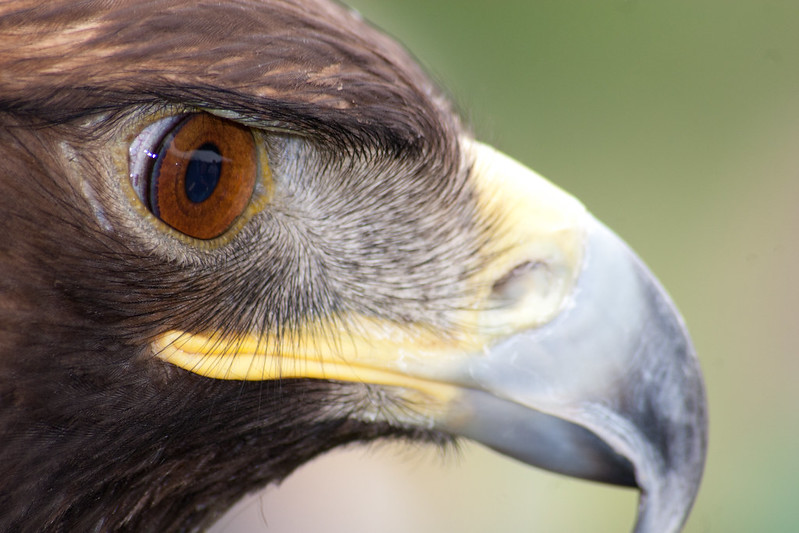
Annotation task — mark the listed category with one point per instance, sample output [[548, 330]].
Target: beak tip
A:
[[669, 491]]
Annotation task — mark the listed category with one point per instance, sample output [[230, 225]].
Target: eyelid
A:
[[141, 152]]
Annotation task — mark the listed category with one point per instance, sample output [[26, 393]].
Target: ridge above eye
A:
[[196, 173]]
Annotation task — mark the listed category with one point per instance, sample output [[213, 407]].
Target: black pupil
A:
[[203, 172]]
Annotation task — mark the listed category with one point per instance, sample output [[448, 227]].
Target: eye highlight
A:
[[196, 173]]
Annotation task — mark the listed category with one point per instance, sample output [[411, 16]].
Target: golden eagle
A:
[[237, 234]]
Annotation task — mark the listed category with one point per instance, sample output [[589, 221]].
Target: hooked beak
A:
[[575, 361], [610, 390]]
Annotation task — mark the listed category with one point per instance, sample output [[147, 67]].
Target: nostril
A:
[[518, 282], [528, 294]]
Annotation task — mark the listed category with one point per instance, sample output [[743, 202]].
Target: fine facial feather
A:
[[392, 108], [86, 284]]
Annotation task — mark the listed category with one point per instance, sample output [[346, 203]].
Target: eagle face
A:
[[237, 235]]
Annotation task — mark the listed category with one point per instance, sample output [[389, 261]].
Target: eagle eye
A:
[[196, 173]]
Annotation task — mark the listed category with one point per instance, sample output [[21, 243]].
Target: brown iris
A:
[[203, 176]]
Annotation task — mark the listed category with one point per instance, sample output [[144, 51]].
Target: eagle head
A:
[[235, 235]]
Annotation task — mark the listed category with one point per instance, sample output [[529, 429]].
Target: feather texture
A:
[[372, 214]]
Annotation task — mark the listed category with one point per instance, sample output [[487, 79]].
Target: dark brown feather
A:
[[298, 64], [372, 214]]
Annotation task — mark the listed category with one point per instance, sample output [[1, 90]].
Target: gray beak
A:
[[610, 390]]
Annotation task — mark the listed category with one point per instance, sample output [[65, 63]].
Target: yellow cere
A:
[[380, 354], [540, 225]]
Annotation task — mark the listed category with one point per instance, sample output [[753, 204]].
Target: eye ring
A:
[[201, 175]]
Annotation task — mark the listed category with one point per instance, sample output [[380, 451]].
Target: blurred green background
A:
[[677, 123]]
